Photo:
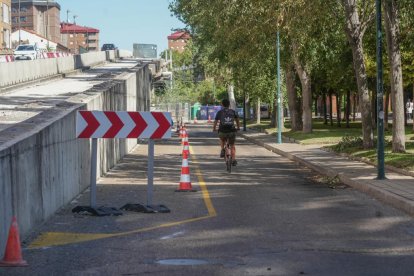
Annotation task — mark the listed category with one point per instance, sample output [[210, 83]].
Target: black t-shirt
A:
[[227, 117]]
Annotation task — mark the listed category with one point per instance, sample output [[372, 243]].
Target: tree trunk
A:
[[354, 33], [316, 107], [354, 106], [306, 96], [338, 110], [330, 108], [258, 111], [248, 114], [387, 107], [348, 107], [374, 108], [325, 115], [230, 91], [392, 31], [295, 117]]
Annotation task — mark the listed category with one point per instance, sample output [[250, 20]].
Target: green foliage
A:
[[348, 142]]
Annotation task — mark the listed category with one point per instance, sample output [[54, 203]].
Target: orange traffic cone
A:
[[13, 253], [181, 132], [184, 136], [185, 182], [186, 145]]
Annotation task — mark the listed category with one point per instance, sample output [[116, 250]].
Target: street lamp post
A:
[[244, 111], [380, 94], [279, 109]]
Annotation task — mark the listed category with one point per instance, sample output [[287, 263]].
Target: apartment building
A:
[[178, 40], [40, 16], [79, 39], [5, 25]]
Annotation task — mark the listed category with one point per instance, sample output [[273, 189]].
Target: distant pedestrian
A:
[[409, 106]]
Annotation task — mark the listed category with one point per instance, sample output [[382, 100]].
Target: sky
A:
[[124, 22]]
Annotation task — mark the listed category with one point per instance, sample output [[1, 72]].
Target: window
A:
[[23, 9], [15, 19], [6, 11], [71, 35], [25, 48], [23, 19]]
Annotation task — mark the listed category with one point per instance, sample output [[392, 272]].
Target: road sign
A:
[[123, 124]]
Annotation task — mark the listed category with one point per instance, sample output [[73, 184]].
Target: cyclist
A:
[[227, 129]]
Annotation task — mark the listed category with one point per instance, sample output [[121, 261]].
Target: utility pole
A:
[[47, 24], [380, 94], [20, 37], [172, 73], [75, 35], [67, 16]]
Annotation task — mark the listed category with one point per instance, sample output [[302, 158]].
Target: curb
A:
[[387, 197]]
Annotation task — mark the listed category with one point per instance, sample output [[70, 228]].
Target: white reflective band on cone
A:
[[185, 178]]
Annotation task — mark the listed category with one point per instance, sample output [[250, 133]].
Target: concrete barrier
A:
[[13, 73], [16, 72], [43, 166], [124, 54]]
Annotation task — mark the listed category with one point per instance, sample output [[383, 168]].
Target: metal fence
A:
[[180, 112]]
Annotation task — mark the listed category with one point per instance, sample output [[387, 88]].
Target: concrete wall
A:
[[43, 166], [12, 73]]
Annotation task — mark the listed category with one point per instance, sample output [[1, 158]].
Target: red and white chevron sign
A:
[[123, 124]]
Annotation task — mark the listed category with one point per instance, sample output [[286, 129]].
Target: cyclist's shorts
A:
[[230, 135]]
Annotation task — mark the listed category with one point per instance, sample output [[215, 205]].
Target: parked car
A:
[[108, 46], [26, 52]]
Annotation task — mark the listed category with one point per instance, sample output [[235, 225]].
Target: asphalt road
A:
[[268, 217]]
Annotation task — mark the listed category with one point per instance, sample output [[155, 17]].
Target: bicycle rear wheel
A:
[[228, 164]]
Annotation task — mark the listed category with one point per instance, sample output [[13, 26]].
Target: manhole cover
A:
[[182, 262]]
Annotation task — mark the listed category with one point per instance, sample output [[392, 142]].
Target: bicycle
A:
[[227, 155]]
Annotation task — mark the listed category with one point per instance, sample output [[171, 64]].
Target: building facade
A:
[[178, 40], [30, 37], [5, 25], [79, 38], [40, 16]]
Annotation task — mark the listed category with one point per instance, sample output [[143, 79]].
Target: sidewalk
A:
[[397, 190]]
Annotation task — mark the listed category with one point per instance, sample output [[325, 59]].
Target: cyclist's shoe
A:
[[222, 153], [234, 162]]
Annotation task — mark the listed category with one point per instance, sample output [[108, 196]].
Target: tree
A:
[[394, 55], [355, 27]]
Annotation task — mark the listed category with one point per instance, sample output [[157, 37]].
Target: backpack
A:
[[227, 120]]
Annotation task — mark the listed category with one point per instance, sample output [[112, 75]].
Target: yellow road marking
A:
[[207, 199], [49, 239]]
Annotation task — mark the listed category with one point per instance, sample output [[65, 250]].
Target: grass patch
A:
[[347, 140]]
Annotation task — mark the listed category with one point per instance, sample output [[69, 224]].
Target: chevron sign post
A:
[[122, 124]]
